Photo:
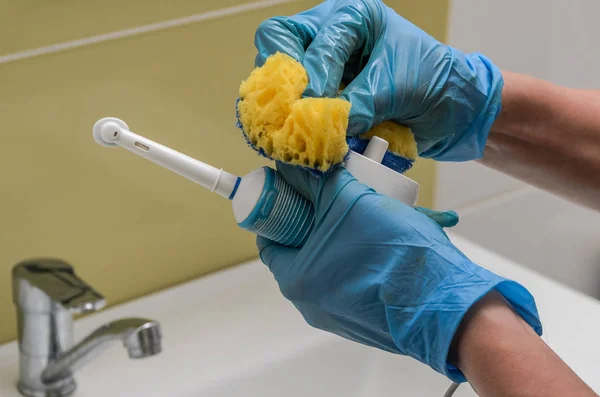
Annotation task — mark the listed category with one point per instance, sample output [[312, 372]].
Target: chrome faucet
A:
[[46, 293]]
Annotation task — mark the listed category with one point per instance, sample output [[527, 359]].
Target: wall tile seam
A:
[[139, 30]]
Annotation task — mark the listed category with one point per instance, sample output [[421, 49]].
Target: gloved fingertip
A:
[[316, 78], [290, 172], [362, 116], [319, 87], [312, 90], [442, 218], [358, 124], [300, 179], [263, 242], [266, 250], [277, 257], [423, 210], [260, 59], [450, 218]]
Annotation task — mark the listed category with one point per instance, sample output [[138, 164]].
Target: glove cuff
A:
[[515, 294], [425, 331], [474, 100]]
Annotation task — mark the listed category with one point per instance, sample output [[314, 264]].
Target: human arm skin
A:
[[548, 136], [502, 356]]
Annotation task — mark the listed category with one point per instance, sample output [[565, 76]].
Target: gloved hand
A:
[[377, 272], [393, 71]]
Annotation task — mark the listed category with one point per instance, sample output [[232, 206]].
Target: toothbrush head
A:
[[106, 131]]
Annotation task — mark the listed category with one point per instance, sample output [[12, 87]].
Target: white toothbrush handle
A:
[[114, 132]]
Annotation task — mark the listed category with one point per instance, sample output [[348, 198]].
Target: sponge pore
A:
[[278, 122]]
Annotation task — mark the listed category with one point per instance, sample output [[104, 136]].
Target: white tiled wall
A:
[[551, 39], [465, 184]]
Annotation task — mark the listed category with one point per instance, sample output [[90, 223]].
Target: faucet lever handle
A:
[[58, 281]]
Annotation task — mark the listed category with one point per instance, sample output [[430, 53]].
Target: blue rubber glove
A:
[[377, 272], [393, 71]]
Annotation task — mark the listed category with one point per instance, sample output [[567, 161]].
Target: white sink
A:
[[332, 367], [233, 334]]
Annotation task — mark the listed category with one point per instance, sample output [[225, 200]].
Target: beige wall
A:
[[127, 225]]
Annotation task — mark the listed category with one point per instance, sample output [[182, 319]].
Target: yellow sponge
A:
[[308, 132], [401, 139]]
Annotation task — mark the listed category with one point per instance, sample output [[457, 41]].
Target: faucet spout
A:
[[46, 293], [141, 337]]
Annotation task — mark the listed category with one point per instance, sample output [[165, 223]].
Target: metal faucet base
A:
[[62, 388]]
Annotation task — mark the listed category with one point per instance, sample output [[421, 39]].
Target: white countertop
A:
[[236, 321]]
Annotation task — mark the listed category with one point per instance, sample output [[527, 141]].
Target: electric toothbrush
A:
[[262, 201]]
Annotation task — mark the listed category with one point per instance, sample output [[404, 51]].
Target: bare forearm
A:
[[548, 136], [502, 356]]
